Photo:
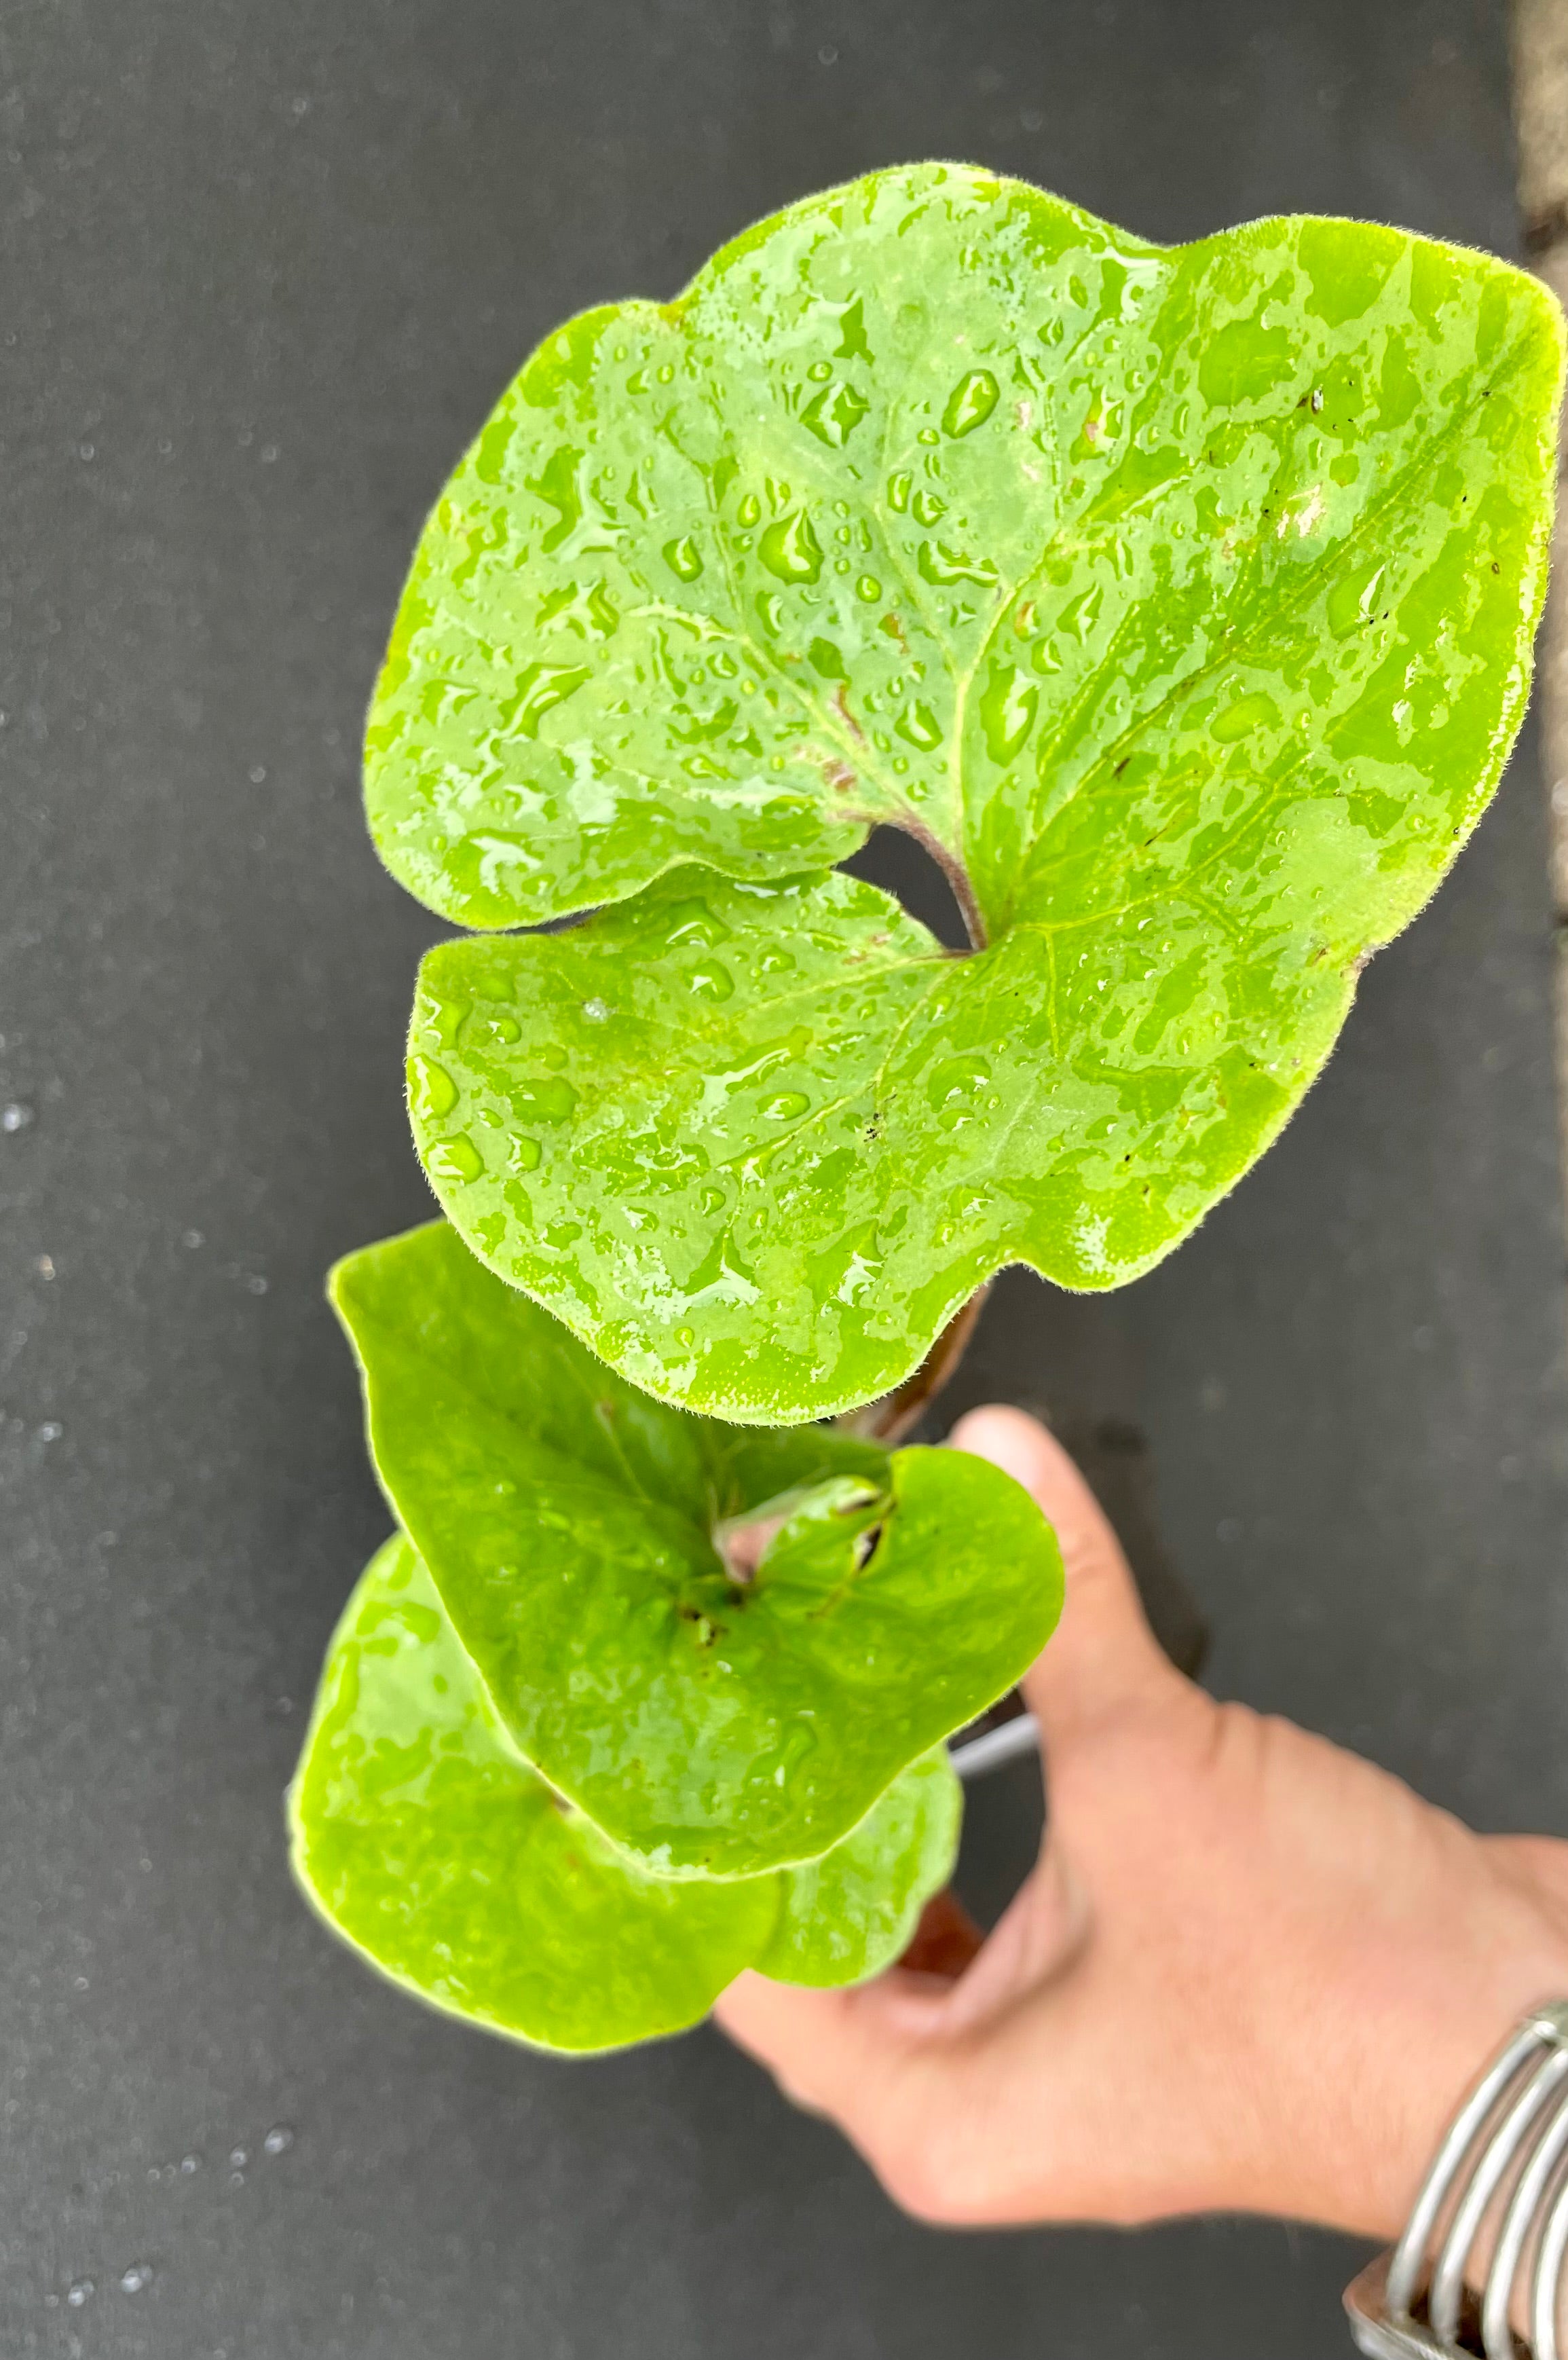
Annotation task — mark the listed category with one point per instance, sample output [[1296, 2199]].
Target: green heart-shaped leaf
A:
[[426, 1839], [716, 1714], [1180, 599], [768, 1208]]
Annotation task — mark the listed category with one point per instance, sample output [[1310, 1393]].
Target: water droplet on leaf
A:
[[917, 725], [456, 1159], [712, 981], [941, 565], [694, 922], [1238, 720], [683, 557], [431, 1090], [548, 1099], [833, 414], [1008, 709], [790, 550], [1351, 603], [540, 688]]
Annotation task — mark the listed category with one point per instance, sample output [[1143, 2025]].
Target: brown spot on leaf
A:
[[842, 707]]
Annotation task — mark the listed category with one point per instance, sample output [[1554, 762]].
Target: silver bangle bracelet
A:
[[1501, 2174]]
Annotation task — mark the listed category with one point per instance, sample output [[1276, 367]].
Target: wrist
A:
[[1427, 2020], [1489, 2231]]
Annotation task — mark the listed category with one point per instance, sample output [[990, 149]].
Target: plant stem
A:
[[890, 1419]]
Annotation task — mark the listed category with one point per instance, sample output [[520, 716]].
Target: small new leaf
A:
[[427, 1841], [717, 1715]]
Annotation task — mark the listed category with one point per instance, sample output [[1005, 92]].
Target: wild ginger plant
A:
[[1179, 602]]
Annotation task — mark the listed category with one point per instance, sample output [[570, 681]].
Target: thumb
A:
[[1104, 1652]]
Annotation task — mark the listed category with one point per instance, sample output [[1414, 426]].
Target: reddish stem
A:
[[890, 1419], [956, 874]]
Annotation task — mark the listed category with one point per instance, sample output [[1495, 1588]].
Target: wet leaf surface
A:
[[428, 1843], [1179, 599], [712, 1720]]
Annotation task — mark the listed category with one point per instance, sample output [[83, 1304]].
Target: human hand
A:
[[1250, 1972]]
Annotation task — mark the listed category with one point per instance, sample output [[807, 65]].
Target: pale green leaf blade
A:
[[929, 496], [432, 1846], [709, 1724], [767, 1204], [666, 1125], [1211, 575], [574, 698], [849, 1915]]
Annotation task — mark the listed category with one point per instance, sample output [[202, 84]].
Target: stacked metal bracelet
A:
[[1500, 2177]]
